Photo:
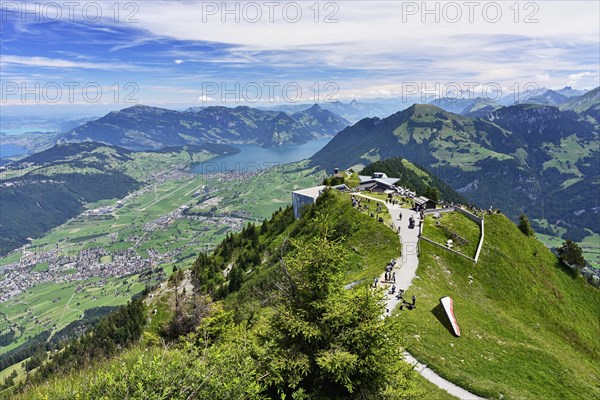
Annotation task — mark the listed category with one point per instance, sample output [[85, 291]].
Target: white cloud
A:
[[377, 37], [370, 48], [576, 77], [46, 62], [543, 77], [378, 24]]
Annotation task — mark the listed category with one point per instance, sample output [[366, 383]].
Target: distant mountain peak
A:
[[138, 107], [424, 109], [144, 127]]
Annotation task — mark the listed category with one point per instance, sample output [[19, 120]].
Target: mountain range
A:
[[527, 158], [142, 127], [468, 104], [352, 111]]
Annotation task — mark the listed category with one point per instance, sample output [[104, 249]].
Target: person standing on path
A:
[[414, 299]]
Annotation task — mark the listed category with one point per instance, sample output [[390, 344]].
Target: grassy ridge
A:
[[529, 329], [450, 224]]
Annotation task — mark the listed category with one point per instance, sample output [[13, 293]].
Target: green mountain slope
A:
[[529, 329], [320, 121], [582, 103], [524, 158], [253, 284], [585, 108], [143, 127]]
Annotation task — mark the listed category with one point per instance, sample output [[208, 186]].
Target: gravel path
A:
[[406, 270]]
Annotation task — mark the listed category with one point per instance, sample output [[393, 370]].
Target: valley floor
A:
[[103, 257]]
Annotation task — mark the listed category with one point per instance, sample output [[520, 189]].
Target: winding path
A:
[[406, 269]]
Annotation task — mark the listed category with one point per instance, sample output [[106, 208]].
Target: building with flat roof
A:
[[305, 197]]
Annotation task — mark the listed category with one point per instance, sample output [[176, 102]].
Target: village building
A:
[[423, 203]]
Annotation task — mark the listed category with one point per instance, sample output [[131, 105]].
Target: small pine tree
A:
[[571, 254], [326, 342], [525, 226], [432, 193], [236, 278]]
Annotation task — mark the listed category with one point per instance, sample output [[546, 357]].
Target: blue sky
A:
[[178, 54]]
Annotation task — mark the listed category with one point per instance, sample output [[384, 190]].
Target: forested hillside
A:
[[269, 314], [143, 127], [286, 324]]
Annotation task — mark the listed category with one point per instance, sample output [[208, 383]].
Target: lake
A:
[[20, 131], [8, 150], [252, 157]]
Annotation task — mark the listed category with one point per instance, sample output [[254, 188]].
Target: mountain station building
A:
[[378, 182]]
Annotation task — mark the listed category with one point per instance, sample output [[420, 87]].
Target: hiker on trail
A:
[[375, 283], [414, 299], [393, 289], [400, 217], [394, 276]]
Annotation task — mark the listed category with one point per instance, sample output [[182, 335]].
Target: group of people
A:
[[390, 276], [411, 222], [410, 306], [394, 201]]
